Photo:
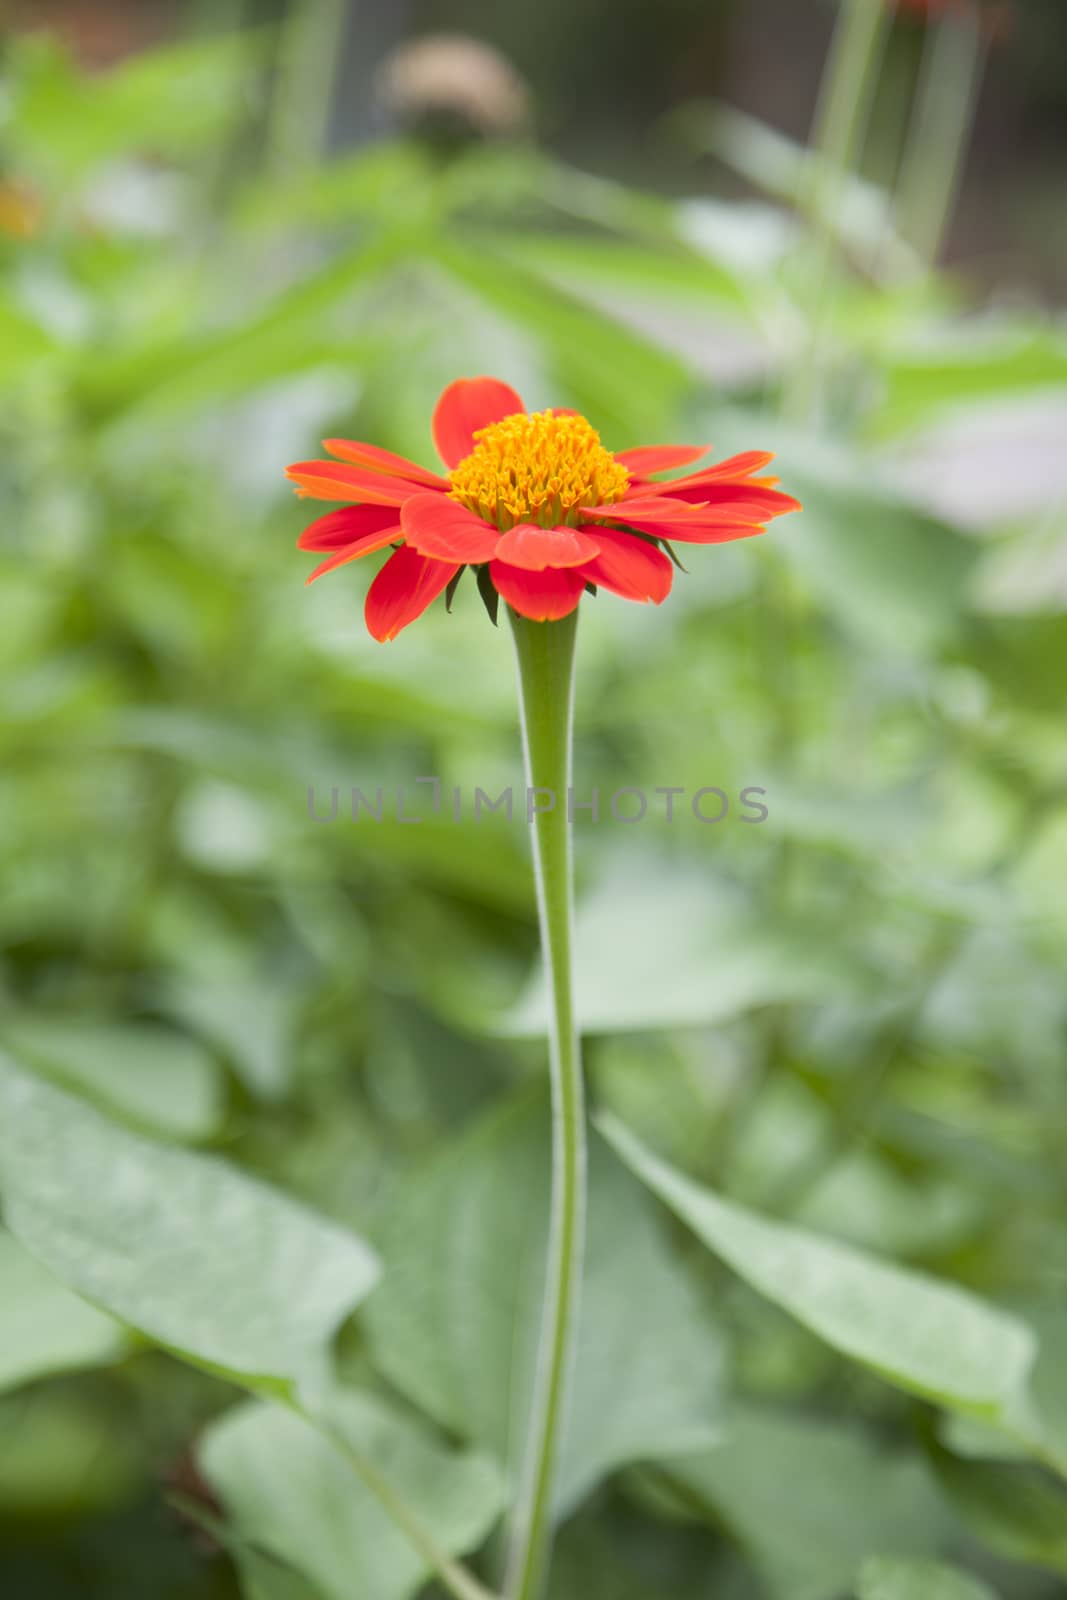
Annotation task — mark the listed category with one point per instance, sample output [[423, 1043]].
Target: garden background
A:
[[227, 231]]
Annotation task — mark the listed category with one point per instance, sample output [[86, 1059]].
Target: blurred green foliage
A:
[[851, 1018]]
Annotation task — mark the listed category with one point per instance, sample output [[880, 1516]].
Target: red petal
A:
[[361, 547], [328, 480], [752, 502], [542, 596], [344, 527], [630, 567], [649, 458], [369, 455], [439, 527], [709, 532], [467, 405], [742, 466], [534, 548], [645, 503], [677, 519], [654, 511], [406, 585]]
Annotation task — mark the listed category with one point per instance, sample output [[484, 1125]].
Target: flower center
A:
[[537, 467]]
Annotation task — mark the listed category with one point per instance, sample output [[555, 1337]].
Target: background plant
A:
[[851, 1019]]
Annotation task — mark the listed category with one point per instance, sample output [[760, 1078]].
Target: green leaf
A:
[[972, 361], [455, 1322], [927, 1337], [203, 1260], [1018, 1511], [264, 1579], [655, 949], [45, 1328], [808, 1499], [883, 1578], [593, 265], [292, 1493], [160, 1080]]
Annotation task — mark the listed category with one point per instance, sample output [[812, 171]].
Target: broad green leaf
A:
[[293, 1493], [44, 1328], [198, 1257], [590, 265], [928, 1337], [265, 1579], [883, 1578], [160, 1080], [455, 1321], [809, 1498], [975, 360], [664, 949]]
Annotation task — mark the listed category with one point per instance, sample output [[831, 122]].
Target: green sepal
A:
[[490, 598]]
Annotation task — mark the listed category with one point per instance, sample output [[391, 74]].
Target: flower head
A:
[[533, 501]]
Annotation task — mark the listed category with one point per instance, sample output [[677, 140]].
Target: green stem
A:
[[841, 120], [309, 48], [953, 58], [545, 653]]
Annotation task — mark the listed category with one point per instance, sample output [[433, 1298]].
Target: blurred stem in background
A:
[[950, 78], [842, 118], [841, 121], [545, 653], [309, 47]]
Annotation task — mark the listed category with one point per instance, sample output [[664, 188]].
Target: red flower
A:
[[532, 501]]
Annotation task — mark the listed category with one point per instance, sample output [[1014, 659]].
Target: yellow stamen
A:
[[536, 467]]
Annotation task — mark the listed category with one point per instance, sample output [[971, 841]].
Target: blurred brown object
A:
[[997, 17], [193, 1502], [97, 32], [20, 211], [450, 84]]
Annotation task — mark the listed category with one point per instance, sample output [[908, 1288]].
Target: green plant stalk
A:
[[309, 48], [841, 121], [951, 72], [545, 654]]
